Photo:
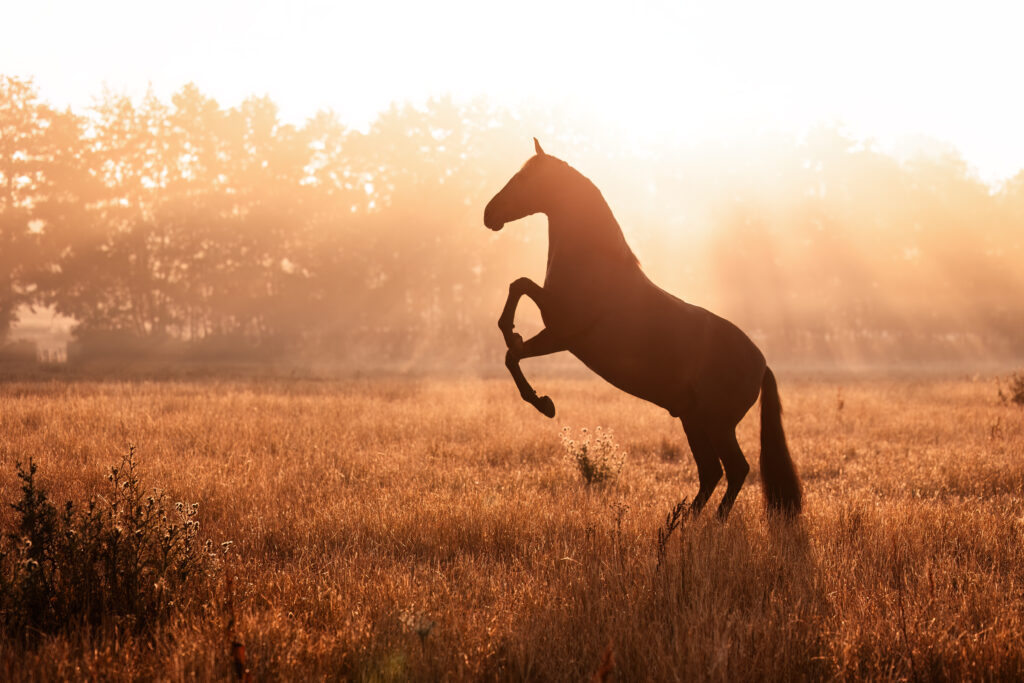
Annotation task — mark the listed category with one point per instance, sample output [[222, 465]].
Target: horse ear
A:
[[537, 147]]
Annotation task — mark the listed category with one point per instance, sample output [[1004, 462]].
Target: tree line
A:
[[187, 227]]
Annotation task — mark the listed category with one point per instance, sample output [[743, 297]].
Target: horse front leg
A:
[[544, 343], [524, 286]]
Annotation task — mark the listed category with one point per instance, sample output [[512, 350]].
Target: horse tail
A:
[[778, 475]]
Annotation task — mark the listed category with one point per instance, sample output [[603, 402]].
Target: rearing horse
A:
[[599, 305]]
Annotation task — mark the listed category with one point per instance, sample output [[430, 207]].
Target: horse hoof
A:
[[515, 343], [545, 405]]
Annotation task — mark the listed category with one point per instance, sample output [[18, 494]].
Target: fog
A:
[[186, 230]]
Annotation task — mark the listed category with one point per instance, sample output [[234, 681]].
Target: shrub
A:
[[126, 559], [1014, 390], [596, 456]]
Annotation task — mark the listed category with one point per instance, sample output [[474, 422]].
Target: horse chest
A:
[[572, 298]]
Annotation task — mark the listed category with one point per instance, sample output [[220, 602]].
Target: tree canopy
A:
[[206, 229]]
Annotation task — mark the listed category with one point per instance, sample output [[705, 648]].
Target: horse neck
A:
[[587, 235]]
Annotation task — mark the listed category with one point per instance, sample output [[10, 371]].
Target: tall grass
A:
[[390, 530]]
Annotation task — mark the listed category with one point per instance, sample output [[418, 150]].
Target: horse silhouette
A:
[[599, 305]]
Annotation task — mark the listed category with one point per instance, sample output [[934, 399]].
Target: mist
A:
[[185, 230]]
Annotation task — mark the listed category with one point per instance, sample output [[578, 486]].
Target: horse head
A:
[[529, 191]]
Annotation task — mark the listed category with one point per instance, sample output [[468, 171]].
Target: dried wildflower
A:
[[597, 457]]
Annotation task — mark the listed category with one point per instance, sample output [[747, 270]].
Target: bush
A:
[[597, 457], [127, 559], [1014, 390]]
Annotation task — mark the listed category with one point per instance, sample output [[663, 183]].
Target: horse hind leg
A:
[[709, 471], [736, 469]]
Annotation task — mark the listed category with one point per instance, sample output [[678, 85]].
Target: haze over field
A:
[[307, 181]]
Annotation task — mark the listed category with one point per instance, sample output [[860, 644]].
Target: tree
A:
[[40, 153]]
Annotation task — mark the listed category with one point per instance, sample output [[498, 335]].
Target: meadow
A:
[[434, 529]]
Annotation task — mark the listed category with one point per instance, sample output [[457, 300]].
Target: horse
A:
[[598, 304]]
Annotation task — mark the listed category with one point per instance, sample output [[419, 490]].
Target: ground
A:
[[435, 529]]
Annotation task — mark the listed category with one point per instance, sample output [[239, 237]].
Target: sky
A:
[[891, 71]]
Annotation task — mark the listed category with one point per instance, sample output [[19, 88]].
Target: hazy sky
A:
[[886, 69]]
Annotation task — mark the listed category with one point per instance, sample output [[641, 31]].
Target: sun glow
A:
[[802, 169], [656, 71]]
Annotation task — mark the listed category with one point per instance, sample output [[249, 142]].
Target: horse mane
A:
[[595, 210]]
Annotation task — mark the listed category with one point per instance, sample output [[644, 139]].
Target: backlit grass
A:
[[426, 529]]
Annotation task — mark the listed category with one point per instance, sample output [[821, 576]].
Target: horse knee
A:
[[736, 471], [709, 471], [505, 323], [736, 466]]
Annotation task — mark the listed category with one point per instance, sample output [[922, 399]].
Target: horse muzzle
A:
[[491, 221]]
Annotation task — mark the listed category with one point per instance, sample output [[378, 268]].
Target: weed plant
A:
[[126, 559], [595, 455]]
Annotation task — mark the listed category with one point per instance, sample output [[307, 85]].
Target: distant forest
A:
[[184, 228]]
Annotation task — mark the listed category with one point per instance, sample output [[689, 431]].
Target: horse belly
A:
[[635, 376], [639, 355], [677, 356]]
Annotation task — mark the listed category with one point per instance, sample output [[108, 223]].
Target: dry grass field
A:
[[435, 530]]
